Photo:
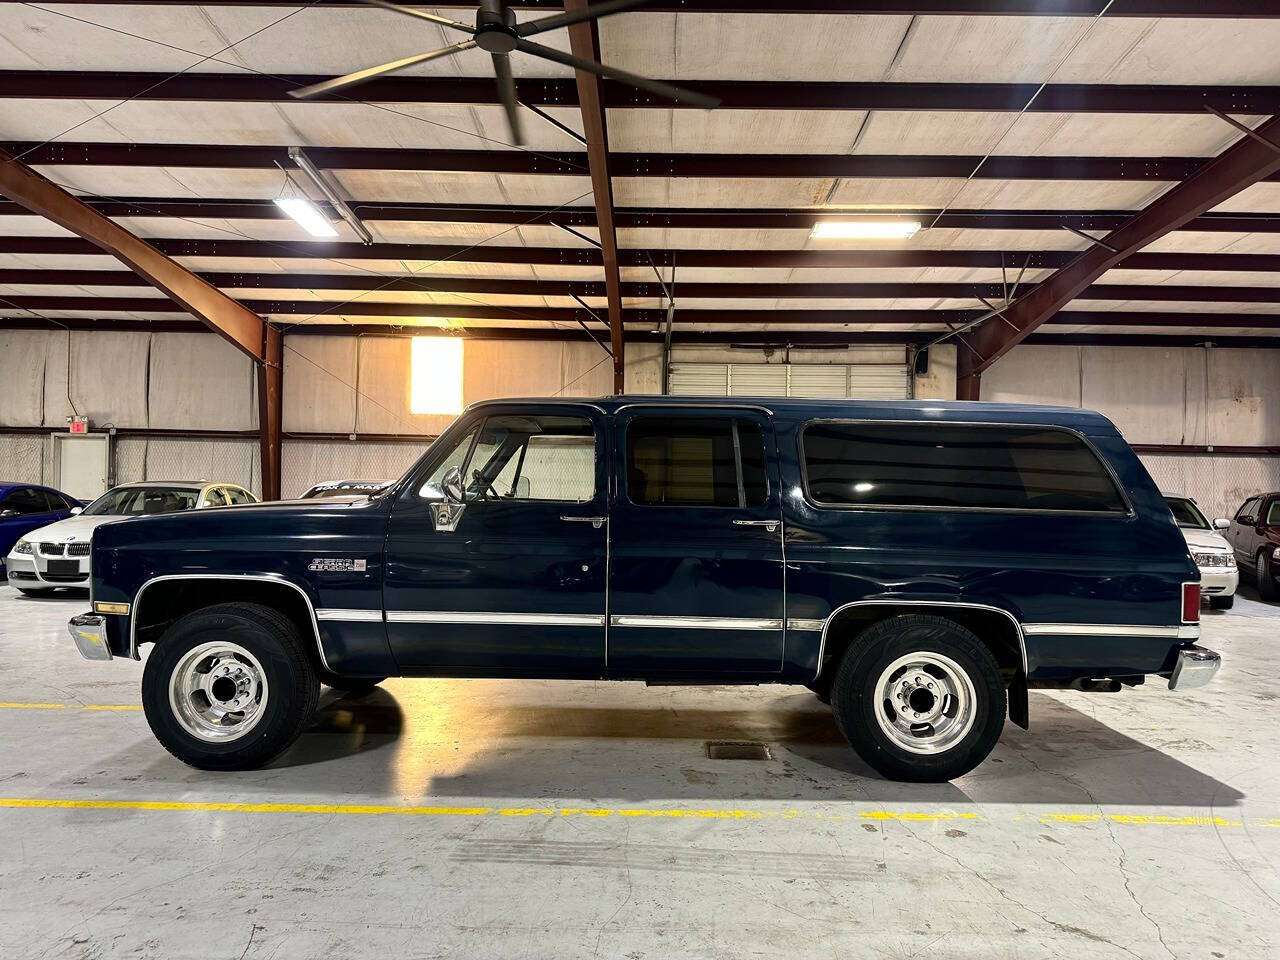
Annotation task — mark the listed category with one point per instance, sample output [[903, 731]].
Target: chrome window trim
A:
[[1128, 514], [1171, 632], [909, 602], [263, 578], [497, 617], [349, 615], [694, 623]]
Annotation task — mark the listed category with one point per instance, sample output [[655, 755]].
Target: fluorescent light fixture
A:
[[307, 215], [435, 384], [864, 229]]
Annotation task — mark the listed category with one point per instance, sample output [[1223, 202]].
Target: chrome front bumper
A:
[[89, 631], [1194, 668]]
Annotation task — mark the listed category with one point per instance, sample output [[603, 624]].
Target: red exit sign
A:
[[78, 424]]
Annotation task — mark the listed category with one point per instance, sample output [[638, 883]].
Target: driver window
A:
[[431, 488], [544, 458]]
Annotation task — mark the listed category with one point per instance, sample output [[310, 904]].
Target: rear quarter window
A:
[[958, 466]]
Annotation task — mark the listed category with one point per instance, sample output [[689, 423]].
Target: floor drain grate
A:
[[737, 750]]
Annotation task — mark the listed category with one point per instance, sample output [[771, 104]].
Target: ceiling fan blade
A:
[[593, 12], [664, 90], [421, 15], [507, 93], [372, 73]]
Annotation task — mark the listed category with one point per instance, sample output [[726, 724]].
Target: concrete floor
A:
[[478, 819]]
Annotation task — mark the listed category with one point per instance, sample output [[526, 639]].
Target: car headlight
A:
[[23, 546], [1231, 560]]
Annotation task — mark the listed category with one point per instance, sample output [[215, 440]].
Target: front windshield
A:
[[1187, 514], [130, 501]]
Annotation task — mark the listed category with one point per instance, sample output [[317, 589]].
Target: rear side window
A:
[[1247, 508], [695, 462], [25, 500], [1273, 514], [952, 465]]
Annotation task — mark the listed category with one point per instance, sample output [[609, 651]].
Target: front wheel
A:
[[229, 687], [1266, 578], [920, 698]]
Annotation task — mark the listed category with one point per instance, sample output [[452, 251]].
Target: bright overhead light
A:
[[435, 384], [864, 229], [307, 215]]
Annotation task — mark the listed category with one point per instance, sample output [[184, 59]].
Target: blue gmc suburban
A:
[[919, 565]]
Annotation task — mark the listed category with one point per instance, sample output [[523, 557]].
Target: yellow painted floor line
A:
[[355, 809], [18, 705]]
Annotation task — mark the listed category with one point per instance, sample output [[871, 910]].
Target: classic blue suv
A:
[[919, 564]]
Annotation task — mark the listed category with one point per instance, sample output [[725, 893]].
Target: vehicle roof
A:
[[341, 483], [181, 484], [941, 410]]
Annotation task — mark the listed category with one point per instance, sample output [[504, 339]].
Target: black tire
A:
[[35, 592], [821, 688], [1222, 603], [1266, 577], [352, 686], [291, 685], [855, 701]]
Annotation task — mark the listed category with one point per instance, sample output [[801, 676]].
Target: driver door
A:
[[511, 580]]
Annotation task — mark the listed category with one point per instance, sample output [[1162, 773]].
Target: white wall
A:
[[1168, 396]]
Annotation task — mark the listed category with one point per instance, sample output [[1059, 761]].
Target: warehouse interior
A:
[[1063, 202]]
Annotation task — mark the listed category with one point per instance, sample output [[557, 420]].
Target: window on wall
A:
[[952, 465], [436, 375], [695, 462]]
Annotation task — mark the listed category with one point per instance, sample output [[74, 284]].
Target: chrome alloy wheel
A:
[[218, 691], [925, 702]]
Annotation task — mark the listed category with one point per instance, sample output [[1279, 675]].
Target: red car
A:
[[1255, 537]]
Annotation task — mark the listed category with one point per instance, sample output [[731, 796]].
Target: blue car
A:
[[919, 565], [28, 506]]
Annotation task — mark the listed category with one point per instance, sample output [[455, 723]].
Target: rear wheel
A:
[[920, 698], [229, 687], [1266, 577], [1222, 603]]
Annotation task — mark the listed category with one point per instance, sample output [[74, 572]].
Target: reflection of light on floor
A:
[[433, 725]]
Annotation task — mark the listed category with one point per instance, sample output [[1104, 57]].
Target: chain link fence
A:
[[1218, 484], [22, 457], [307, 462]]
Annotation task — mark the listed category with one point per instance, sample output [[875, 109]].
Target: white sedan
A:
[[58, 555], [1210, 550]]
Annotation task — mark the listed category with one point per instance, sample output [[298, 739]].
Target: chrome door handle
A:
[[596, 522], [769, 525]]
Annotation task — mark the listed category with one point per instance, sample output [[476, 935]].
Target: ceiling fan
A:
[[497, 32]]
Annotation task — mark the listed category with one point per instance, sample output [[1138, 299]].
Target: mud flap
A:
[[1019, 709]]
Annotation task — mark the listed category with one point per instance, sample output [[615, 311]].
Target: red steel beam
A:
[[1245, 162], [734, 94], [583, 44], [215, 309]]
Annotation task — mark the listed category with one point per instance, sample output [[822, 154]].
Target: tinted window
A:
[[695, 461], [945, 465], [25, 500], [1186, 513], [1247, 508], [533, 458], [1273, 514]]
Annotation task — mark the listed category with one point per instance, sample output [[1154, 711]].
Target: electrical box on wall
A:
[[78, 425]]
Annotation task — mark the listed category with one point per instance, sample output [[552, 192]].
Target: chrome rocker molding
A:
[[694, 623], [908, 602], [261, 578], [485, 617]]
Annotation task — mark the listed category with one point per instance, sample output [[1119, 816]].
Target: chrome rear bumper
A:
[[1194, 668], [89, 631]]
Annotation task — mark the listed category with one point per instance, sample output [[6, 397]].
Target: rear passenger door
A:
[[695, 571]]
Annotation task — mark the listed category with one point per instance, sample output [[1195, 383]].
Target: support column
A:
[[270, 410]]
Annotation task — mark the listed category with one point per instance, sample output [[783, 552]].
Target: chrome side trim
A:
[[354, 616], [695, 623], [262, 578], [909, 602], [794, 624], [1110, 630], [525, 619]]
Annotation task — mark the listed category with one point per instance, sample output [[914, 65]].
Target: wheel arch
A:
[[994, 626], [171, 596]]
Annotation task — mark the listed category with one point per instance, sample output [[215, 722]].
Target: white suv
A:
[[1210, 550]]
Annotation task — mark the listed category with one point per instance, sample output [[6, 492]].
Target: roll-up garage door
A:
[[817, 380]]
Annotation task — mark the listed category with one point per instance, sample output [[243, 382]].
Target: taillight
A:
[[1191, 603]]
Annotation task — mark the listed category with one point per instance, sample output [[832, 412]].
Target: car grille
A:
[[52, 549], [77, 549], [1212, 559]]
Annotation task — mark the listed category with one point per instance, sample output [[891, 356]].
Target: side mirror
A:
[[6, 514], [76, 511], [451, 485], [1222, 523]]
